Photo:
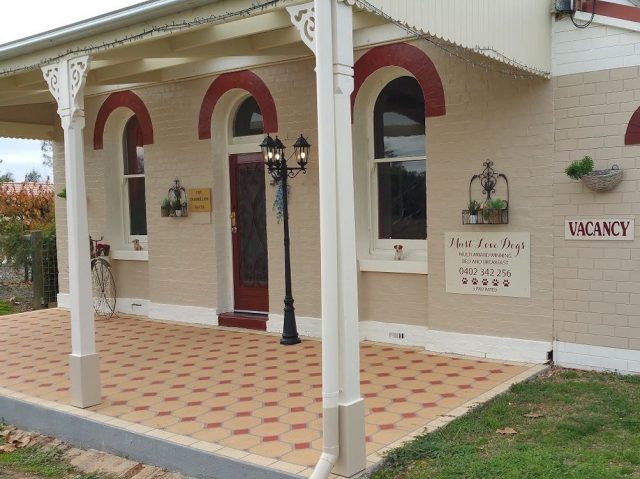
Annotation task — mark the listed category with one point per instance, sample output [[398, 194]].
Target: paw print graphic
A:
[[474, 281], [485, 281], [465, 280], [495, 282], [506, 283]]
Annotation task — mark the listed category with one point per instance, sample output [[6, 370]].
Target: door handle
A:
[[234, 225]]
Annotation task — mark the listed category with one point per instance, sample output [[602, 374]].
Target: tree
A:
[[46, 147], [33, 176], [7, 177], [24, 208]]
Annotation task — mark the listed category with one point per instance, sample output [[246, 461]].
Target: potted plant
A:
[[595, 180], [165, 209], [492, 212], [176, 206], [474, 207]]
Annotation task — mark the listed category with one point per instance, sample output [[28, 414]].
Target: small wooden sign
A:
[[199, 200]]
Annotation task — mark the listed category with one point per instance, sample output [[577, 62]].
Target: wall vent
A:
[[396, 335]]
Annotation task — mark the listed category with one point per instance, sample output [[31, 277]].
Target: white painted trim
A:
[[136, 306], [598, 358], [390, 266], [125, 255], [311, 327], [491, 347], [183, 314], [609, 21], [165, 312], [394, 333], [63, 300]]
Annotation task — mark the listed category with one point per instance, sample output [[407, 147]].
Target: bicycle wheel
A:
[[103, 288]]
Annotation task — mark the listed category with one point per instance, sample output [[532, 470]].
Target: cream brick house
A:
[[172, 91]]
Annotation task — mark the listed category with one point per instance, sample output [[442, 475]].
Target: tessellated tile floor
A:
[[241, 392]]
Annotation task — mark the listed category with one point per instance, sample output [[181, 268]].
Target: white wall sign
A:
[[491, 264], [612, 229]]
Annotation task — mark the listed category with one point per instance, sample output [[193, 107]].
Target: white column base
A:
[[353, 456], [84, 375]]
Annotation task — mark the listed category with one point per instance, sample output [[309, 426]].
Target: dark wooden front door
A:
[[249, 232]]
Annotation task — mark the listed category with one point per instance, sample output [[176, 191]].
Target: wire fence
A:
[[44, 269], [30, 281]]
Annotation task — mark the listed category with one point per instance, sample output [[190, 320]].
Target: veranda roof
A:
[[167, 40]]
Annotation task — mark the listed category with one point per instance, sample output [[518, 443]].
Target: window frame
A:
[[125, 216], [414, 250]]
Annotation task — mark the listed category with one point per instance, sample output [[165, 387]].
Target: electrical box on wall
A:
[[565, 6]]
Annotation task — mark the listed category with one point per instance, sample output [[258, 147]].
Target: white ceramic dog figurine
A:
[[136, 245], [399, 254]]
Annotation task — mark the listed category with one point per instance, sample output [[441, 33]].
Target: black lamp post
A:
[[276, 163]]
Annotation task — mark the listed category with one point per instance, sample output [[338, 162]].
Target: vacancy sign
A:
[[612, 229], [488, 264]]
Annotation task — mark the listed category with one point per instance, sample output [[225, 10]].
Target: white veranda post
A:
[[343, 407], [66, 80]]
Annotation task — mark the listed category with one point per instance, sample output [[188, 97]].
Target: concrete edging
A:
[[88, 434]]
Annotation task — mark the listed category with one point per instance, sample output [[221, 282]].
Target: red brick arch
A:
[[632, 137], [412, 59], [244, 80], [126, 99]]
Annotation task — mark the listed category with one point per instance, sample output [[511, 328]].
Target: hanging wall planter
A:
[[603, 180], [493, 210], [176, 202], [595, 180]]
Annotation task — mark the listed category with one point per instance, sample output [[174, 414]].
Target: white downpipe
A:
[[324, 466], [328, 239]]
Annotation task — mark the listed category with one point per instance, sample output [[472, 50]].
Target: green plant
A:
[[496, 204], [579, 168], [474, 207], [176, 205], [166, 203], [63, 193]]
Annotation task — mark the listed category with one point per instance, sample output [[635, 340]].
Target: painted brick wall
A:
[[182, 267], [510, 121], [598, 47], [488, 116], [597, 284]]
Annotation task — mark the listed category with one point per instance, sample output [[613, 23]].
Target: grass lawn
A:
[[6, 308], [570, 424], [38, 462]]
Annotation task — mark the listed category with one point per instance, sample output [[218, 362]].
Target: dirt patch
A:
[[8, 474], [15, 290]]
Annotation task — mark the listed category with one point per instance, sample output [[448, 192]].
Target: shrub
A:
[[579, 168]]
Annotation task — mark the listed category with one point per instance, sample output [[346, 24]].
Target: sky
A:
[[29, 17]]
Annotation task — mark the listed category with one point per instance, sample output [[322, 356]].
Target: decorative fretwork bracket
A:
[[66, 80], [303, 17]]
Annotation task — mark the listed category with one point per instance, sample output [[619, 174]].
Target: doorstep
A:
[[257, 322]]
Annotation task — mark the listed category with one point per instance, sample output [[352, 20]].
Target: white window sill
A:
[[391, 266], [127, 255]]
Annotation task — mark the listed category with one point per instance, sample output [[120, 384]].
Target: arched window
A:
[[133, 175], [248, 120], [399, 189]]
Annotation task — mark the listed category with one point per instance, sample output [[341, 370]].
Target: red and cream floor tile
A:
[[238, 389]]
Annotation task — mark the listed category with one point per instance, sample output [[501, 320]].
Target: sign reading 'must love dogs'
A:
[[619, 229]]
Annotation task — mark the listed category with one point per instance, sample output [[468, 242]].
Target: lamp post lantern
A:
[[273, 152]]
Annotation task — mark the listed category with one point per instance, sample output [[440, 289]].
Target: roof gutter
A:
[[109, 21]]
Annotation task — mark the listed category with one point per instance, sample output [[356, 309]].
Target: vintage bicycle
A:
[[103, 284]]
